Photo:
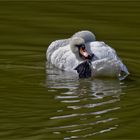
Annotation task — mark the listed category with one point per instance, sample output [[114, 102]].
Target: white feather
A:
[[105, 62]]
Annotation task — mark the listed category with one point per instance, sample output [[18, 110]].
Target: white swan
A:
[[82, 53]]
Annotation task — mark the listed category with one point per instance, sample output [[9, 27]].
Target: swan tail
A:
[[123, 71]]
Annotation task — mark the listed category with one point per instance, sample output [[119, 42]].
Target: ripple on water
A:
[[89, 106], [66, 107]]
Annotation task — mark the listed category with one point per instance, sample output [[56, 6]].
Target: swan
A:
[[82, 54]]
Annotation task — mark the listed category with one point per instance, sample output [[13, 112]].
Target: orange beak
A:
[[84, 53]]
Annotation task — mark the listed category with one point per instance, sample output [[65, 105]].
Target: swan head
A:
[[77, 45], [86, 35]]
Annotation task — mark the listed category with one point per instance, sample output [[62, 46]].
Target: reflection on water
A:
[[87, 103], [66, 107]]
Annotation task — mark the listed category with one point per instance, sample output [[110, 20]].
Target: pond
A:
[[38, 101]]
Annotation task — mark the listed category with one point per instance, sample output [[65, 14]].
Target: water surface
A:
[[38, 101]]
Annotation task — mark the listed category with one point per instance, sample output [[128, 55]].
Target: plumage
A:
[[65, 55]]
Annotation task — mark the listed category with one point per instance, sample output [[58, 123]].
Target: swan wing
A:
[[55, 45], [101, 50], [106, 67], [64, 59], [106, 62]]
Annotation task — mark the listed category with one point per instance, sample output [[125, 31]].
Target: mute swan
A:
[[89, 58]]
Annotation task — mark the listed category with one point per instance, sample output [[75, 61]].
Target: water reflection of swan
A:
[[86, 107], [89, 57]]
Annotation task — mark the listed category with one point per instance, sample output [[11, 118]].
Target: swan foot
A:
[[84, 69]]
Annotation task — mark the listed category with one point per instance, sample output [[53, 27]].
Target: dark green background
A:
[[27, 103]]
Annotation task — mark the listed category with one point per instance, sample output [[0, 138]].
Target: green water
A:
[[38, 102]]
